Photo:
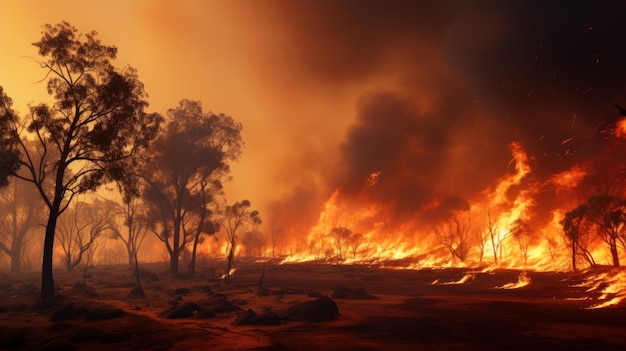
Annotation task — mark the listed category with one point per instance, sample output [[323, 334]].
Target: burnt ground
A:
[[390, 309]]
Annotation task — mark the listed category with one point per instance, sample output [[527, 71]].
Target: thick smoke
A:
[[461, 81]]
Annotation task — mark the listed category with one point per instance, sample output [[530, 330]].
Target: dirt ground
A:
[[412, 310]]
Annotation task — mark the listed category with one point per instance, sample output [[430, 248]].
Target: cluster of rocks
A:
[[320, 309]]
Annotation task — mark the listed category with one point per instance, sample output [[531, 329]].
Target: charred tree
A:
[[233, 217]]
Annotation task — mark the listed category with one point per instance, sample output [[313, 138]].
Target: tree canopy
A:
[[185, 169]]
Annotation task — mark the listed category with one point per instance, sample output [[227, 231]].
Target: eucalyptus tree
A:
[[88, 134], [21, 213], [188, 161], [233, 218], [9, 151]]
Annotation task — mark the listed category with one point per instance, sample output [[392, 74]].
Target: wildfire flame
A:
[[356, 230], [522, 280]]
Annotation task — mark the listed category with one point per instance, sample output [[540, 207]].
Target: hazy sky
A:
[[428, 93]]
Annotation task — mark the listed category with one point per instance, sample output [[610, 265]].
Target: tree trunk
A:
[[174, 261], [192, 263], [574, 256], [614, 253], [16, 257], [229, 264], [47, 281], [129, 250]]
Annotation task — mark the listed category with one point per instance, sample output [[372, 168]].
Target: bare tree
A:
[[275, 234], [524, 236], [79, 227], [340, 237], [233, 218], [494, 235], [355, 241], [453, 234]]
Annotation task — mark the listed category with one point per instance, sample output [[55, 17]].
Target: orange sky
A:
[[231, 55], [427, 94]]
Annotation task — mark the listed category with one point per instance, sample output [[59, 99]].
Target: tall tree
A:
[[233, 218], [607, 216], [571, 224], [192, 152], [9, 151], [523, 235], [21, 213], [95, 125], [131, 209]]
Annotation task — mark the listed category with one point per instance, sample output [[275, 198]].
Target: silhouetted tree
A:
[[9, 151], [21, 212], [134, 220], [453, 234], [355, 241], [199, 223], [571, 224], [524, 236], [275, 234], [96, 124], [607, 216], [191, 154], [233, 218], [494, 235], [80, 226], [340, 237]]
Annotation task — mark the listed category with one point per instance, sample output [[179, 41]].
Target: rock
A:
[[314, 294], [64, 313], [267, 318], [115, 336], [347, 293], [251, 318], [221, 305], [137, 293], [97, 314], [245, 318], [204, 314], [319, 310], [183, 311]]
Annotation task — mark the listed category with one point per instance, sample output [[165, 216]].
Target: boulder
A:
[[183, 311], [96, 314], [64, 313], [319, 310], [251, 318]]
